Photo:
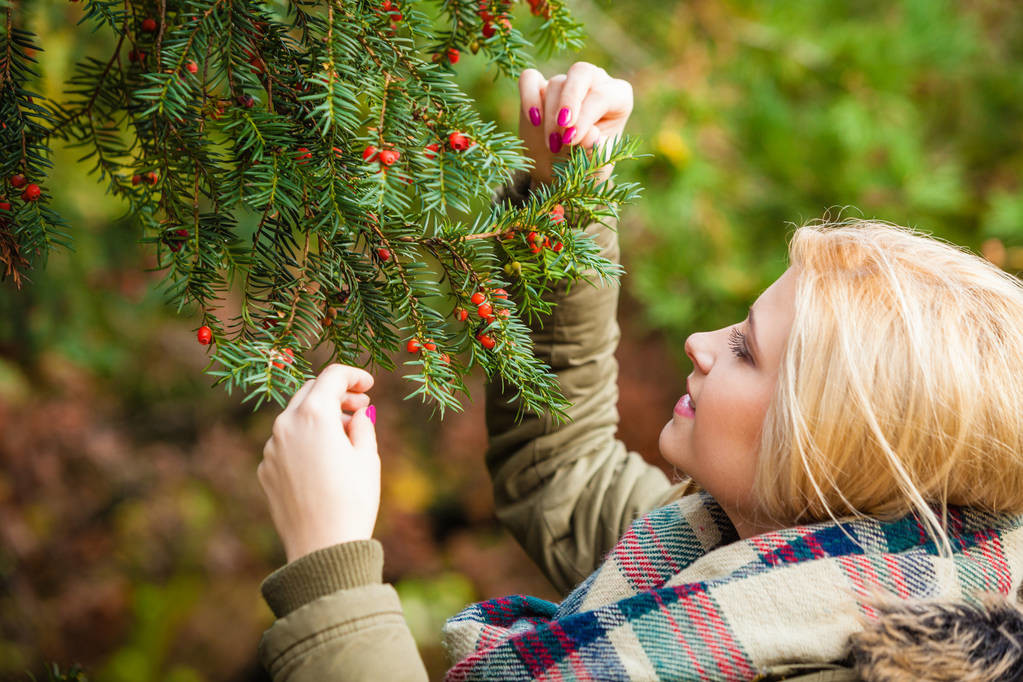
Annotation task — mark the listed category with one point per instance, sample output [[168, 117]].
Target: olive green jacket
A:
[[567, 492]]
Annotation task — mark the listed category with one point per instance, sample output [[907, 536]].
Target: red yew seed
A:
[[368, 153], [477, 298], [413, 346], [149, 25], [32, 192], [485, 310], [204, 335], [18, 181], [384, 254]]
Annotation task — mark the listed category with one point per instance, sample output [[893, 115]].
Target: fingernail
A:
[[564, 115], [534, 116], [566, 136], [555, 142], [371, 412]]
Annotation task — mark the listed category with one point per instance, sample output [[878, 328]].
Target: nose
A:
[[698, 350]]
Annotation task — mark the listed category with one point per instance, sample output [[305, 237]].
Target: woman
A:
[[856, 485]]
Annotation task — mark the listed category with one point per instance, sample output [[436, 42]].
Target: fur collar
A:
[[942, 640]]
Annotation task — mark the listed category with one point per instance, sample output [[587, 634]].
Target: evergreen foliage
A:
[[320, 161]]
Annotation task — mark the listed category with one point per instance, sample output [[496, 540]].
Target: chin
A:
[[668, 443]]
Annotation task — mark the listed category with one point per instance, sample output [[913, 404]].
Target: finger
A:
[[354, 401], [581, 78], [552, 134], [331, 384], [299, 395], [531, 86], [362, 432], [592, 109], [590, 138]]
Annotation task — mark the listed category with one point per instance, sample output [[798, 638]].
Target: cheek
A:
[[725, 439]]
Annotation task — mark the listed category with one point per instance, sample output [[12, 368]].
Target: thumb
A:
[[362, 430]]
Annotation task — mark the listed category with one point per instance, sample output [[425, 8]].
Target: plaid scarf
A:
[[680, 597]]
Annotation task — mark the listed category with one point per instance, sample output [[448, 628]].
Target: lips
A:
[[684, 407]]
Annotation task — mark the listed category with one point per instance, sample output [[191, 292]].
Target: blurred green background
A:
[[133, 533]]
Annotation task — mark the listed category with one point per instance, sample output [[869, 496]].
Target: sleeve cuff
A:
[[325, 571], [516, 191]]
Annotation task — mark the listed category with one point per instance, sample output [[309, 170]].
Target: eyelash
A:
[[737, 341]]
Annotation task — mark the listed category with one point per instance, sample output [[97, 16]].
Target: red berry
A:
[[285, 355], [499, 293], [453, 55], [395, 18], [558, 208], [152, 178], [488, 30], [247, 101], [503, 313], [337, 152], [176, 244], [485, 310], [431, 150], [303, 155], [558, 247], [191, 66], [387, 5], [477, 298], [136, 179], [485, 15], [461, 314], [487, 341], [429, 345], [204, 335], [4, 206], [389, 156], [446, 358], [149, 25], [531, 237], [32, 192], [368, 153], [413, 346], [384, 254], [18, 181], [458, 141], [136, 56]]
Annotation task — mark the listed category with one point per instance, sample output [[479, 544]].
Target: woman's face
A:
[[714, 432]]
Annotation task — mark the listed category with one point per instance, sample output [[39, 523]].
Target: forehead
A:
[[773, 313]]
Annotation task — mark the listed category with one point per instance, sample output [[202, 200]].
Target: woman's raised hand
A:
[[320, 468], [582, 107]]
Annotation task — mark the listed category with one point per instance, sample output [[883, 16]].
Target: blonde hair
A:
[[901, 385]]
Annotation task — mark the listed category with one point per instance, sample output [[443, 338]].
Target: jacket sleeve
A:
[[567, 492], [337, 620]]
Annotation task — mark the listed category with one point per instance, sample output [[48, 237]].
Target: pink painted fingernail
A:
[[566, 136], [534, 116], [555, 142], [371, 412], [564, 115]]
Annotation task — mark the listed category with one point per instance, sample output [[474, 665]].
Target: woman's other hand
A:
[[320, 468], [582, 107]]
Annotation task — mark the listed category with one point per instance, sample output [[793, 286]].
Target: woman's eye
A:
[[737, 342]]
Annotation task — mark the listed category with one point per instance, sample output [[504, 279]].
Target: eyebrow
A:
[[752, 334]]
